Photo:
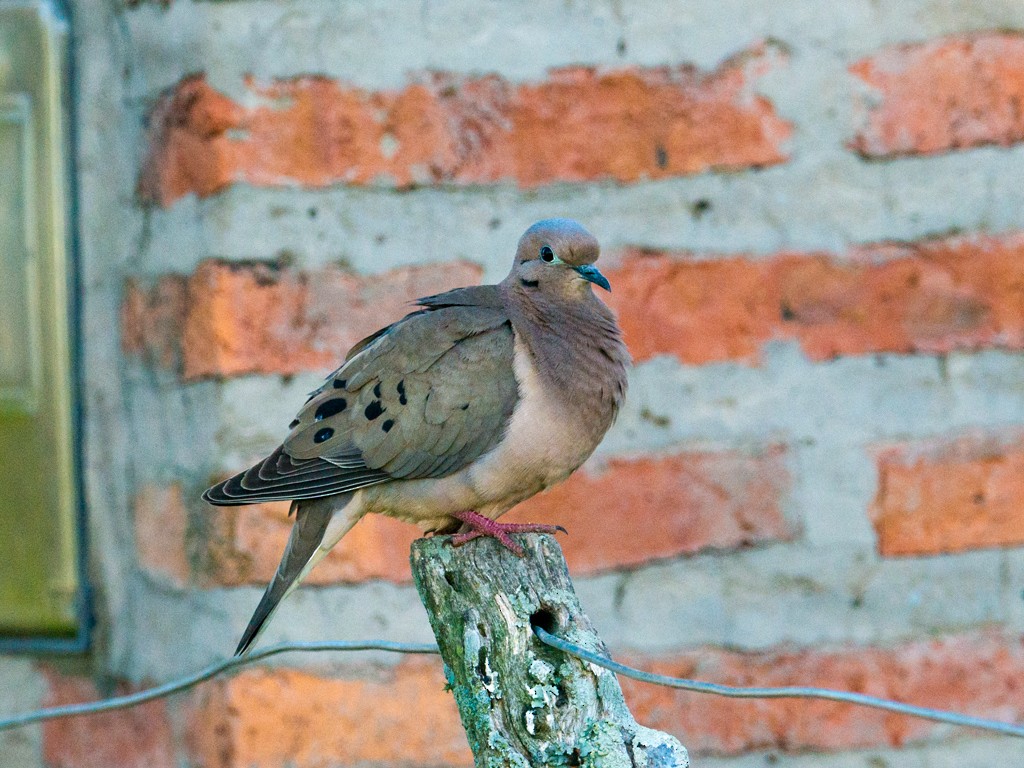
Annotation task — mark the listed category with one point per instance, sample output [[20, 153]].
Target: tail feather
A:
[[311, 539]]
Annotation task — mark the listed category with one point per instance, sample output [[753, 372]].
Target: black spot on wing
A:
[[401, 392], [373, 410], [330, 408], [340, 383], [323, 435], [387, 425]]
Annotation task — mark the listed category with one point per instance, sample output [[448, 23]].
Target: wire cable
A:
[[234, 663], [799, 692], [217, 668]]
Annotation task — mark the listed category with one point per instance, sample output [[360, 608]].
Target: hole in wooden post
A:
[[553, 620], [546, 619], [483, 668], [563, 695]]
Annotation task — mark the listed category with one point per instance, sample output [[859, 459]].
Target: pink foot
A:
[[484, 526]]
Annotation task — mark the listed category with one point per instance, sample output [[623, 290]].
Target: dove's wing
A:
[[421, 398]]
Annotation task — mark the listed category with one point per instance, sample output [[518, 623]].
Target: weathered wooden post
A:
[[522, 702]]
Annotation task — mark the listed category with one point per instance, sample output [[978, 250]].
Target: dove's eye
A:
[[546, 254]]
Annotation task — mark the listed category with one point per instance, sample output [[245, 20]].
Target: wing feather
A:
[[420, 398]]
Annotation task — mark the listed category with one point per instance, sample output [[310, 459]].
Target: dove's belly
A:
[[543, 445]]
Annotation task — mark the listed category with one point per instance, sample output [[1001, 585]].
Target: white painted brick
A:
[[377, 44], [796, 595], [822, 202], [853, 401], [23, 690], [785, 594], [1011, 586]]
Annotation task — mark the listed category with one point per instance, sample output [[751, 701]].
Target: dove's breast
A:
[[544, 443]]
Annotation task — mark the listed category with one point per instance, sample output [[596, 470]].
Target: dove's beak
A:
[[591, 274]]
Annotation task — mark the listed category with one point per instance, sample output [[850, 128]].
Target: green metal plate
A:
[[39, 582]]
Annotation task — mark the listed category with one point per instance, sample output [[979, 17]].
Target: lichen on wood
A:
[[522, 702]]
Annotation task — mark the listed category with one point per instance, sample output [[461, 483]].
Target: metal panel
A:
[[40, 588], [19, 263]]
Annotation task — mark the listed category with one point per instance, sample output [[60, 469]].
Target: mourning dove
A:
[[479, 399]]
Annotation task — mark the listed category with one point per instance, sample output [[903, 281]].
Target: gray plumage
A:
[[479, 399]]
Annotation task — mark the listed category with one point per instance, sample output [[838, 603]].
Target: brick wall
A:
[[812, 219]]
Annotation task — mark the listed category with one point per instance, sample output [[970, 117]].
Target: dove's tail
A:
[[319, 525]]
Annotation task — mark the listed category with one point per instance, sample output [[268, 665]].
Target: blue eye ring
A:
[[546, 254]]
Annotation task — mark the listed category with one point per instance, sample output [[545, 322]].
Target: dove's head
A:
[[556, 257]]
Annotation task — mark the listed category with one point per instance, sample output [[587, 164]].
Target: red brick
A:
[[937, 296], [638, 510], [978, 674], [238, 318], [283, 718], [138, 737], [950, 496], [151, 321], [187, 127], [161, 532], [231, 546], [699, 311], [244, 546], [955, 92], [634, 511], [579, 124]]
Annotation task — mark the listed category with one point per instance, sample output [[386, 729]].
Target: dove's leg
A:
[[319, 525], [484, 526]]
